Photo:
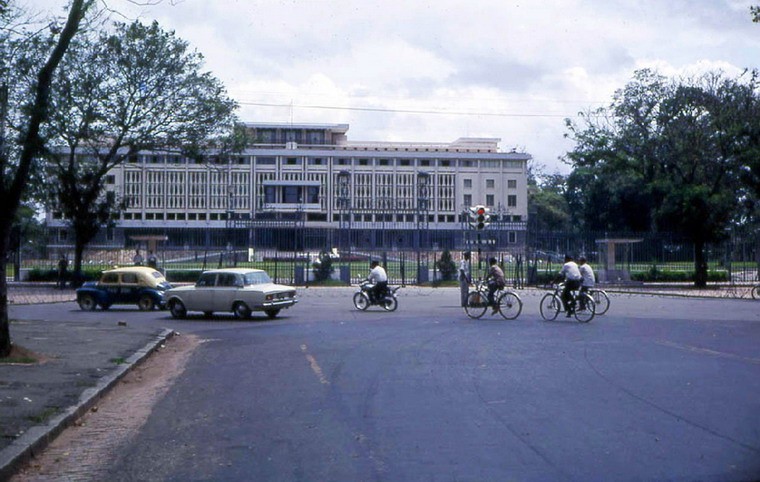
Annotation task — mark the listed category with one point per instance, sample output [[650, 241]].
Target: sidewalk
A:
[[80, 362]]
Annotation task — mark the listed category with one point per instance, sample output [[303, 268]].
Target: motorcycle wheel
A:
[[390, 303], [361, 302]]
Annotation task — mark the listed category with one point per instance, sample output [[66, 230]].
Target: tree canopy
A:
[[668, 155], [132, 88]]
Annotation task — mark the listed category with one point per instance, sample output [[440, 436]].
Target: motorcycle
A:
[[363, 300]]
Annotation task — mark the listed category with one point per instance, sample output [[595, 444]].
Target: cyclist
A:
[[379, 279], [573, 277], [587, 275], [495, 281]]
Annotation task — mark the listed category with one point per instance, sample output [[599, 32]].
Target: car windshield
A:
[[257, 278]]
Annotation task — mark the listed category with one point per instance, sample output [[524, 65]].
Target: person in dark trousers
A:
[[63, 265], [465, 277], [495, 281], [572, 275], [152, 260], [379, 279]]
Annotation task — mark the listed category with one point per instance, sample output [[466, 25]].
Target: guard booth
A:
[[612, 272], [149, 243]]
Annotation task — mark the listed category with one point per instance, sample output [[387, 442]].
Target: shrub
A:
[[446, 266], [322, 267]]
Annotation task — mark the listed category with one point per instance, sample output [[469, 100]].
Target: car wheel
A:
[[177, 309], [87, 302], [145, 303], [241, 310], [272, 313]]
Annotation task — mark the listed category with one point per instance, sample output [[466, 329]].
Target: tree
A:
[[547, 202], [446, 266], [666, 155], [138, 88], [18, 156]]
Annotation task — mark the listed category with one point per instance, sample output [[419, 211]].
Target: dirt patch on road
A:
[[85, 450]]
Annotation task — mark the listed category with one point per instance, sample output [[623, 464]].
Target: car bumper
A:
[[278, 304]]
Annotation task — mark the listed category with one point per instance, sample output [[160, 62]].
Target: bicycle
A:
[[551, 305], [508, 304], [601, 300]]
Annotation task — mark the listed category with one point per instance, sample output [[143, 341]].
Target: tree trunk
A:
[[5, 333], [700, 265], [13, 191], [77, 277]]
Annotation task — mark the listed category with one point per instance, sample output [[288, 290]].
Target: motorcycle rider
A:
[[379, 279]]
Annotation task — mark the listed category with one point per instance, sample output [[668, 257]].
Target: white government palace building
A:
[[306, 186]]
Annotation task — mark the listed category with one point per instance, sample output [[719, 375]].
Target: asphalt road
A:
[[660, 388]]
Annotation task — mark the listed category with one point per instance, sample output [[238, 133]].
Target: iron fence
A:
[[533, 259]]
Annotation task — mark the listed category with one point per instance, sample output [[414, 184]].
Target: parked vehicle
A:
[[135, 284], [363, 299], [238, 290]]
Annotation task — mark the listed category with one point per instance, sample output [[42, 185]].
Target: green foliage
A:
[[446, 266], [142, 89], [323, 267], [669, 155], [655, 275]]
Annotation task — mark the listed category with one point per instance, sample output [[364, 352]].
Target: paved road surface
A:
[[660, 388]]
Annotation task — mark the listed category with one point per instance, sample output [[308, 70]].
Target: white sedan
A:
[[239, 290]]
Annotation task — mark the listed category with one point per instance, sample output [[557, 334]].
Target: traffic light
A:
[[479, 217]]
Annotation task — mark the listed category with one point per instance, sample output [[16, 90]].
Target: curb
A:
[[37, 438]]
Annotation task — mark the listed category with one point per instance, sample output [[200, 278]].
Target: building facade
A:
[[305, 186]]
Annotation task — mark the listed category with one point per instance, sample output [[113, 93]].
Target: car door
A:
[[130, 289], [201, 298], [225, 293], [109, 283]]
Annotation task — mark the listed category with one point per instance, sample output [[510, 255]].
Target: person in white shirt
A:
[[464, 277], [572, 275], [379, 279], [587, 275]]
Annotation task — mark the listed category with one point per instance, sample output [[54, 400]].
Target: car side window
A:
[[129, 278], [206, 280], [110, 278], [227, 279]]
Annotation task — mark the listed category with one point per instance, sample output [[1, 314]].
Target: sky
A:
[[435, 71]]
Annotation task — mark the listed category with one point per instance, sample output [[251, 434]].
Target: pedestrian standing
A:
[[137, 259], [152, 260], [465, 277], [63, 265]]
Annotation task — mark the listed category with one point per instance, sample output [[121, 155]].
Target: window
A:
[[110, 179], [404, 162], [490, 183], [291, 161], [384, 162], [312, 194], [468, 199], [270, 194], [512, 237], [265, 160], [468, 183], [206, 279], [363, 162], [110, 278], [129, 278], [512, 184], [291, 194], [424, 162], [444, 163], [316, 161], [511, 201], [489, 200]]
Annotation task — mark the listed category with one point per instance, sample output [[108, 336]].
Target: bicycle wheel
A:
[[756, 292], [477, 303], [510, 305], [586, 309], [550, 306], [601, 300]]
